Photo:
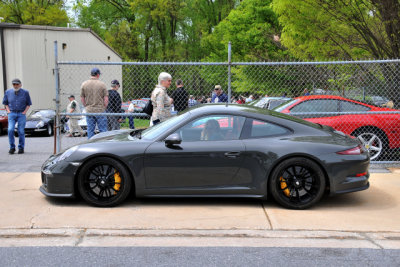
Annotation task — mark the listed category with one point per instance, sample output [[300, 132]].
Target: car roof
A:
[[246, 110], [304, 98], [226, 107]]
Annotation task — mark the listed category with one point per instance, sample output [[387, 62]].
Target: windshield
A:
[[260, 103], [285, 105], [156, 130], [3, 113]]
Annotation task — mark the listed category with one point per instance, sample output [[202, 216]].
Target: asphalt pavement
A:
[[368, 219], [37, 150]]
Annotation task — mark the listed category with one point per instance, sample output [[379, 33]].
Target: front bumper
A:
[[33, 130], [58, 178]]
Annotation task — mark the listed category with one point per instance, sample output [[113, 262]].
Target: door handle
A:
[[233, 154]]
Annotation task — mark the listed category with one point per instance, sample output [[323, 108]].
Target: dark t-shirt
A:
[[181, 98], [114, 102]]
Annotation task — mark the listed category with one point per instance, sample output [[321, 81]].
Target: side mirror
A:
[[173, 139]]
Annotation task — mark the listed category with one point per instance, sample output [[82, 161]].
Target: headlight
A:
[[66, 154], [40, 124]]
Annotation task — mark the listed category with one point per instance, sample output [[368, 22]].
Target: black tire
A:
[[50, 130], [98, 182], [374, 140], [297, 183], [16, 134]]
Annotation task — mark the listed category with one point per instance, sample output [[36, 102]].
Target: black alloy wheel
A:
[[104, 182], [297, 183]]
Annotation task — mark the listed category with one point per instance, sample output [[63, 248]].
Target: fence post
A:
[[229, 72], [57, 132]]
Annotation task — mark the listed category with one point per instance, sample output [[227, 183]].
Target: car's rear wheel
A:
[[104, 182], [374, 141], [297, 183]]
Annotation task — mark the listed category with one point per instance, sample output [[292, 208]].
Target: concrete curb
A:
[[198, 238]]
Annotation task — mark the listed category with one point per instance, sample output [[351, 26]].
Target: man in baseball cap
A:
[[95, 71], [94, 97], [16, 81], [17, 102], [114, 106]]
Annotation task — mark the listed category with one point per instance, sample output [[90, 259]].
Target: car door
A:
[[264, 146], [350, 122], [198, 162]]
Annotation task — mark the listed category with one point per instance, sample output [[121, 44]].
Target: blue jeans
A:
[[101, 122], [13, 118], [131, 122]]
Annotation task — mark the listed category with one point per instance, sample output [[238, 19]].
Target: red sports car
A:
[[377, 128], [3, 121]]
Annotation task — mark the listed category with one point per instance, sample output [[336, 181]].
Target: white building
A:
[[28, 53]]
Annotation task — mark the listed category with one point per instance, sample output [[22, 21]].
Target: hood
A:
[[113, 136], [33, 123]]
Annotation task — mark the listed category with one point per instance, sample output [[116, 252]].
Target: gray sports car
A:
[[208, 151]]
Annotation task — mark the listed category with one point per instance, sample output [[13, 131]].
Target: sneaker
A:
[[20, 151], [11, 151]]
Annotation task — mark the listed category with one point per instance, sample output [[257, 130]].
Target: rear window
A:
[[260, 128], [285, 105]]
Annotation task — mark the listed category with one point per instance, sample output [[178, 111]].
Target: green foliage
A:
[[34, 12], [335, 29], [253, 30]]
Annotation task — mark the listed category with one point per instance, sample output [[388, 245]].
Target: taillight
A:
[[352, 151], [361, 174]]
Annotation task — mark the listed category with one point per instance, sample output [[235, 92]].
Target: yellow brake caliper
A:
[[117, 182], [284, 187]]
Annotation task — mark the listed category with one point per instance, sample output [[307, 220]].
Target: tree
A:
[[349, 29], [253, 30], [113, 21], [34, 12]]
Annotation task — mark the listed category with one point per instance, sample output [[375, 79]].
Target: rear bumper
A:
[[345, 176], [352, 184]]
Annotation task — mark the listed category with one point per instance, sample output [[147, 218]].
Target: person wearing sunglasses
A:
[[219, 96]]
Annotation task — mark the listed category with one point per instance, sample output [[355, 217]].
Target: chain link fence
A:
[[360, 98]]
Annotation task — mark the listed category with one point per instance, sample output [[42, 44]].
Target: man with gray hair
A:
[[17, 102], [160, 99], [219, 96]]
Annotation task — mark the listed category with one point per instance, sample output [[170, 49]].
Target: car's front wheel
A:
[[297, 183], [49, 130], [104, 182]]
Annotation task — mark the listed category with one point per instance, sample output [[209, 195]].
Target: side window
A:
[[265, 129], [319, 105], [213, 128], [347, 106]]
